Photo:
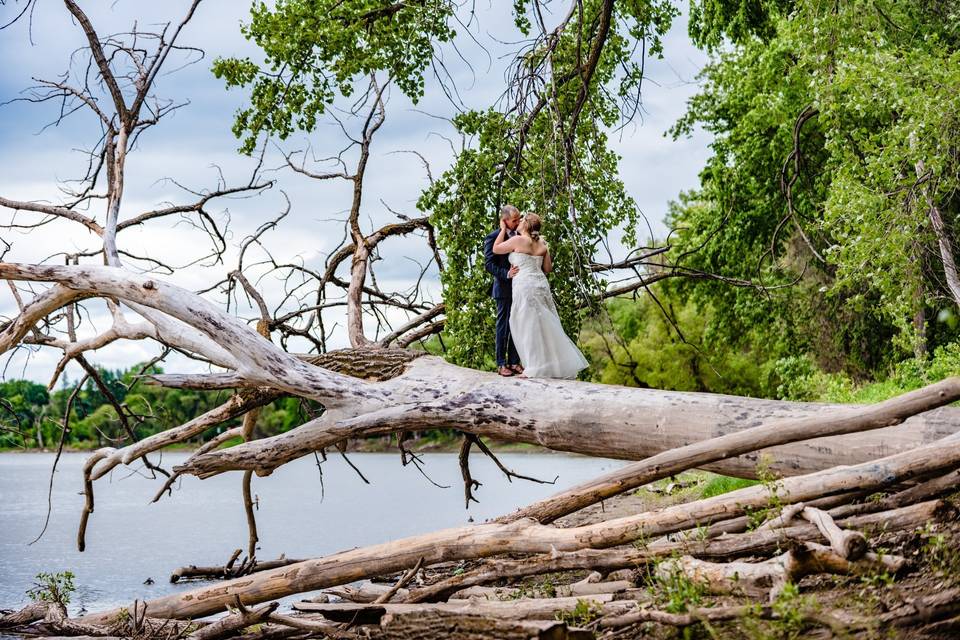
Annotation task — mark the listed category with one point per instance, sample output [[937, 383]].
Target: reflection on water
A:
[[130, 540]]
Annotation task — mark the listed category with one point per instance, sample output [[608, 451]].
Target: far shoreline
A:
[[373, 445]]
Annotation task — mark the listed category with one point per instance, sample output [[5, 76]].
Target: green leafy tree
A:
[[317, 49], [547, 152], [835, 139], [634, 344]]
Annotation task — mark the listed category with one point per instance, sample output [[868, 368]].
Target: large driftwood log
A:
[[722, 548], [699, 615], [780, 432], [575, 589], [522, 609], [767, 578], [851, 545], [621, 422], [238, 619], [933, 488], [527, 536], [429, 625], [30, 613]]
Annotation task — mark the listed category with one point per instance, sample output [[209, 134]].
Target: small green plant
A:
[[939, 553], [122, 618], [585, 612], [701, 533], [547, 588], [771, 481], [52, 587], [756, 517], [791, 614], [873, 581], [642, 540], [674, 589], [523, 591]]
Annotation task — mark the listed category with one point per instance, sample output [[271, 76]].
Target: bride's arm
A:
[[502, 245], [547, 262]]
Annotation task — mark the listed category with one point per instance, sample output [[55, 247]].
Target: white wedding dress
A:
[[545, 350]]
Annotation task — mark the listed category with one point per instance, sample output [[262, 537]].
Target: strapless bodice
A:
[[526, 263]]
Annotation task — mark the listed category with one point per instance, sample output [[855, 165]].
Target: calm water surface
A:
[[130, 540]]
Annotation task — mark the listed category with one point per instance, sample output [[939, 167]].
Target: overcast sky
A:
[[187, 148]]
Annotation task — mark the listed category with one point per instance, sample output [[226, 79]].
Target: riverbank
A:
[[434, 444]]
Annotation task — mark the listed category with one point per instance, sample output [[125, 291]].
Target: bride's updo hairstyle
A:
[[533, 225]]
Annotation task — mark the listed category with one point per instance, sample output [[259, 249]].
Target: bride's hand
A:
[[503, 225]]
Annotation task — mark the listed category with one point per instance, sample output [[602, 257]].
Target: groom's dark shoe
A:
[[506, 372]]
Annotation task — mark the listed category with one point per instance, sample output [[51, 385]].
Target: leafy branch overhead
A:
[[316, 50]]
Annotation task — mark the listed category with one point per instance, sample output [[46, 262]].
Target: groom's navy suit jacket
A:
[[502, 292], [498, 266]]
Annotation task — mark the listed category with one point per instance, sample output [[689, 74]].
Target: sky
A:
[[195, 144]]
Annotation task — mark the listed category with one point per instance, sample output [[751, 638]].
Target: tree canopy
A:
[[834, 177]]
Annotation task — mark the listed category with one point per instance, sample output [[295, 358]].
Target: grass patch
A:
[[717, 485]]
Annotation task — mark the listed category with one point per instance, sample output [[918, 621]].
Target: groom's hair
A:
[[508, 211]]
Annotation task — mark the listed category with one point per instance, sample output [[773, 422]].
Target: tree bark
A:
[[522, 609], [429, 625]]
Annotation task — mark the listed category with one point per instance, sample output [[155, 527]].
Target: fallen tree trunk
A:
[[767, 578], [701, 615], [30, 613], [700, 454], [229, 570], [527, 536], [851, 545], [620, 422], [932, 488], [723, 548], [428, 625], [575, 589], [522, 609]]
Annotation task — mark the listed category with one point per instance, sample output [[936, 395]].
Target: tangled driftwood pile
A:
[[750, 548]]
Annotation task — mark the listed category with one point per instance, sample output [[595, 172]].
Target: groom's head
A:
[[510, 215]]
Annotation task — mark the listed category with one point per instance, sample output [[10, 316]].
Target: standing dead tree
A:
[[116, 86]]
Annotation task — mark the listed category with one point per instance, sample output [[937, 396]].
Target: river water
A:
[[130, 540]]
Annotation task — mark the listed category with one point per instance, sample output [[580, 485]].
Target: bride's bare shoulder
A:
[[524, 245]]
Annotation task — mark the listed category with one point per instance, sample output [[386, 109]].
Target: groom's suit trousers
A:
[[499, 267], [506, 351]]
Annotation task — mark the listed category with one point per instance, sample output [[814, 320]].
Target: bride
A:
[[544, 348]]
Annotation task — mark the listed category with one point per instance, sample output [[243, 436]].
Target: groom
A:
[[508, 362]]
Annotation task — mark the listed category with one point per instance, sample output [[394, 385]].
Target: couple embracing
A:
[[530, 338]]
